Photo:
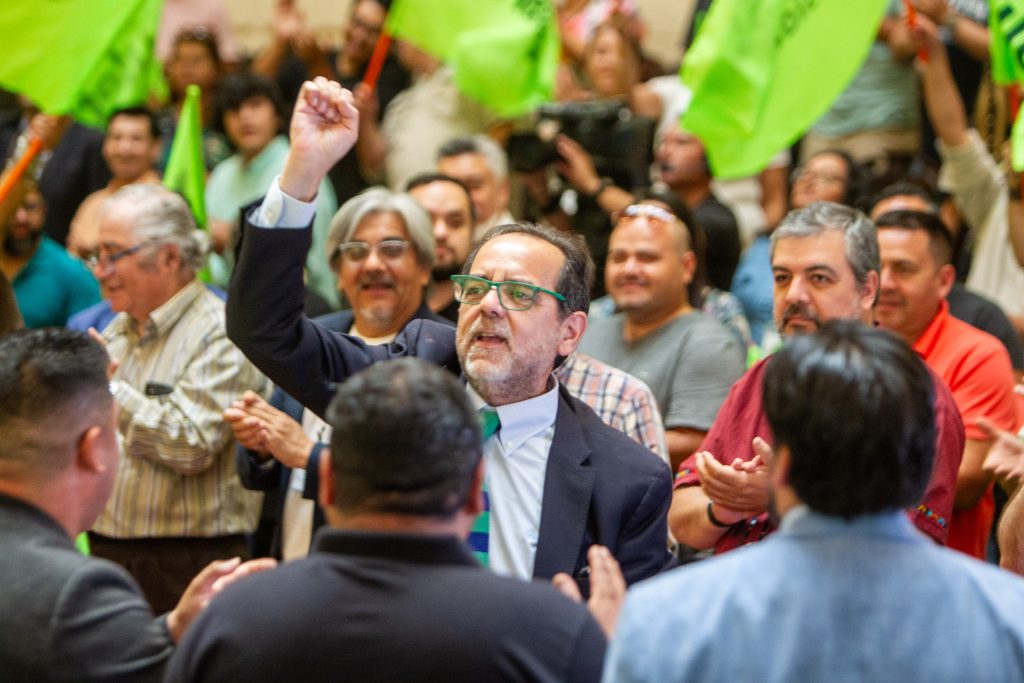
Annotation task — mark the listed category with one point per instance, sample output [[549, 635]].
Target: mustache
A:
[[799, 310]]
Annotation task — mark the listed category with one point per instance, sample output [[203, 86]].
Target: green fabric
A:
[[489, 424], [87, 58], [186, 170], [1006, 28], [504, 53], [762, 72]]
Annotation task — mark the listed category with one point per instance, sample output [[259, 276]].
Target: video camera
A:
[[619, 142]]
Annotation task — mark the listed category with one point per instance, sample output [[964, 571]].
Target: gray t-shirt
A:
[[689, 363]]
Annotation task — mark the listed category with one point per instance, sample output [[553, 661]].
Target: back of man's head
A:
[[53, 385], [853, 405], [406, 441]]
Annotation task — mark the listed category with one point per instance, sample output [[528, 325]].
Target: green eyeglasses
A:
[[513, 296]]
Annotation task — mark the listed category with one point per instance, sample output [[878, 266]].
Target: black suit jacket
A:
[[271, 476], [68, 617], [389, 607], [600, 486]]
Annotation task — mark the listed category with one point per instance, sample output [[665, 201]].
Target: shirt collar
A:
[[413, 548], [162, 318], [803, 521], [523, 420], [271, 154]]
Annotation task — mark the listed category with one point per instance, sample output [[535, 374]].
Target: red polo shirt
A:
[[977, 369]]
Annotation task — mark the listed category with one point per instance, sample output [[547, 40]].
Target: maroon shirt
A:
[[741, 418]]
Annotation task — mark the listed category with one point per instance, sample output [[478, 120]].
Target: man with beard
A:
[[826, 265], [847, 590], [558, 479], [452, 215], [381, 247], [49, 284]]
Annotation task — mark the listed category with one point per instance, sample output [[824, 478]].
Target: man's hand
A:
[[248, 429], [577, 166], [207, 583], [740, 487], [1005, 457], [324, 127], [607, 588], [282, 435]]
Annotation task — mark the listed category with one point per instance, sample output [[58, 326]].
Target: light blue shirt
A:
[[516, 459], [825, 599]]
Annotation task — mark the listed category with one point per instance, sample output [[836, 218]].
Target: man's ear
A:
[[88, 451], [326, 492], [779, 467], [688, 261], [573, 327], [947, 276]]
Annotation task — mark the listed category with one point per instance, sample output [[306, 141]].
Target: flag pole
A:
[[380, 53], [35, 146]]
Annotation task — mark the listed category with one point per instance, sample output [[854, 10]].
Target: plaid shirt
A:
[[621, 400]]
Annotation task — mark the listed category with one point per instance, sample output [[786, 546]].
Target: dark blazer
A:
[[66, 616], [600, 486], [258, 474], [389, 607]]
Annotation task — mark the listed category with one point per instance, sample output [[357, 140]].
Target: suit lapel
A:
[[568, 486]]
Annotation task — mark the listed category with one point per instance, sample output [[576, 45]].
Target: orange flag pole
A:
[[11, 179], [922, 54], [380, 53]]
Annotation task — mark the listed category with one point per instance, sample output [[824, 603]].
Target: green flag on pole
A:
[[504, 53], [763, 72], [186, 170], [1006, 46], [86, 58]]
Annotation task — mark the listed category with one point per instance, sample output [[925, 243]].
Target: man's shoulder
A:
[[610, 448]]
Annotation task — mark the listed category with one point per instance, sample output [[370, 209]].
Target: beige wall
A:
[[665, 21]]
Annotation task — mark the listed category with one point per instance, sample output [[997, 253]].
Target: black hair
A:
[[406, 440], [853, 405], [239, 87], [50, 379], [940, 242], [431, 177], [138, 112]]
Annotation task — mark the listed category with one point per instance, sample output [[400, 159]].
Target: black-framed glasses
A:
[[513, 296], [389, 250], [96, 259], [648, 211]]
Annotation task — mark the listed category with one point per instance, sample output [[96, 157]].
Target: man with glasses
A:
[[687, 358], [177, 503], [558, 479], [381, 248]]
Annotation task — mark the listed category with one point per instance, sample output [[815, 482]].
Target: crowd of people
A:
[[497, 399]]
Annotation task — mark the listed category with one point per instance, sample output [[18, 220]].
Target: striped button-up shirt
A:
[[177, 472]]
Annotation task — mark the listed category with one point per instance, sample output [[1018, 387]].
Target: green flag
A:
[[86, 58], [1006, 46], [762, 72], [186, 171], [504, 53]]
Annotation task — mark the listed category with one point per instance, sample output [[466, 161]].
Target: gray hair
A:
[[483, 145], [162, 217], [382, 200], [859, 234]]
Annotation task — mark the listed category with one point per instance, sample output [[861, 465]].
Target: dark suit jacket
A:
[[389, 607], [258, 474], [68, 617], [600, 486]]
